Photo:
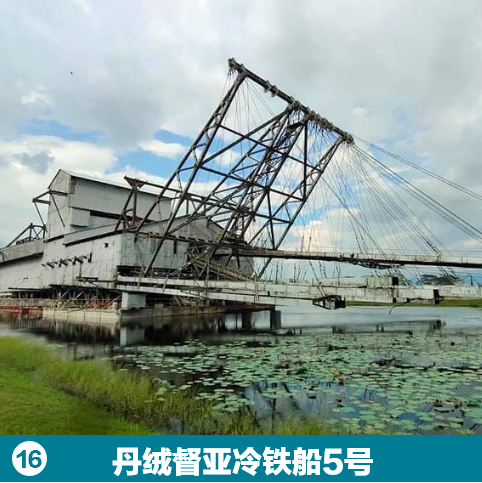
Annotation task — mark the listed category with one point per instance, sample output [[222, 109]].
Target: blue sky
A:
[[144, 160], [152, 163]]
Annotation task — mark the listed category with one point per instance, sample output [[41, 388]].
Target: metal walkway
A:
[[385, 260], [367, 289]]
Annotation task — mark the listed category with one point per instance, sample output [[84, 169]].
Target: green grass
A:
[[32, 407], [461, 303], [44, 393], [124, 394], [477, 303]]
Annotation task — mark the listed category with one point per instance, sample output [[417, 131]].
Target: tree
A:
[[446, 279], [403, 280]]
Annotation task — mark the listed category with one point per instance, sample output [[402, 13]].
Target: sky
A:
[[110, 88]]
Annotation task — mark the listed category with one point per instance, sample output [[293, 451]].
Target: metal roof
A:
[[73, 174]]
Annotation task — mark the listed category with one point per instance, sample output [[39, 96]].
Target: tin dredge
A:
[[126, 256]]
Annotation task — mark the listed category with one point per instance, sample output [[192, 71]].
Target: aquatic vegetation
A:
[[397, 382], [137, 398], [319, 382]]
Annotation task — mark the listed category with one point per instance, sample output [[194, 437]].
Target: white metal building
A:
[[81, 245]]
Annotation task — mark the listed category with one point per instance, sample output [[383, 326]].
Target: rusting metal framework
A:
[[247, 200], [43, 200], [31, 233], [129, 217]]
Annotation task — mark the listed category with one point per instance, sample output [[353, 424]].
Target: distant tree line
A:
[[427, 279], [445, 279]]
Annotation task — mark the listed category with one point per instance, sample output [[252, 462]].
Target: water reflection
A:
[[288, 321], [72, 341]]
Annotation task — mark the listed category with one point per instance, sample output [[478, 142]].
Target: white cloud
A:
[[228, 159], [70, 155], [35, 98], [159, 148], [360, 111], [28, 164], [138, 67]]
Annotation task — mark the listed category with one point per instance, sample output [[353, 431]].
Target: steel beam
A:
[[383, 260]]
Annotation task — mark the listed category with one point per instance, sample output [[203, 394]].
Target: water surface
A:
[[407, 369]]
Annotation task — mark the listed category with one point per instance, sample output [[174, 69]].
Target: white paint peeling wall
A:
[[80, 241], [88, 203], [101, 257]]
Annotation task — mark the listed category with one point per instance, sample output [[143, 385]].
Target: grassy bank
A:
[[43, 393], [476, 303], [32, 407]]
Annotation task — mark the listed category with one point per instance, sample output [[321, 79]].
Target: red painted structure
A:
[[17, 309]]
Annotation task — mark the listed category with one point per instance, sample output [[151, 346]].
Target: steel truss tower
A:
[[247, 198]]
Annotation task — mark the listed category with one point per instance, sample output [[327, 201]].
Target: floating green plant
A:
[[422, 382]]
